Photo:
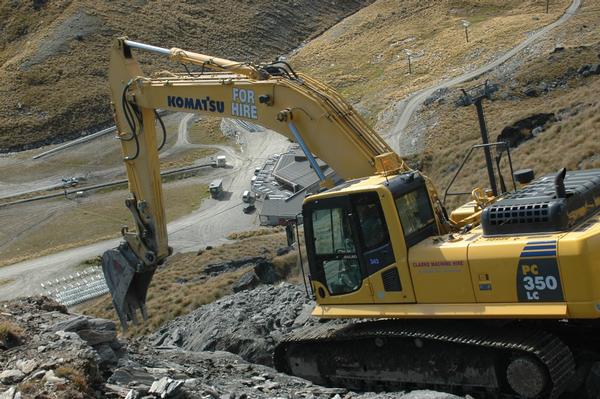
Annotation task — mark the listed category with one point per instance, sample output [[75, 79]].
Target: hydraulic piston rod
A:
[[179, 55], [309, 155]]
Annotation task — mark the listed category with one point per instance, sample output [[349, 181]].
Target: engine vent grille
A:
[[391, 280], [518, 214], [541, 208]]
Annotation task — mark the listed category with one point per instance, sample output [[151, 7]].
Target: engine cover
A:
[[538, 208]]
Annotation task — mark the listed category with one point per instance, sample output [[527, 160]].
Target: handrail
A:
[[466, 158]]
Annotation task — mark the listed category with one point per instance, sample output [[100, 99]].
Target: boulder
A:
[[248, 281], [166, 387], [125, 375], [531, 92], [107, 355], [93, 331], [522, 130], [248, 323], [266, 272], [51, 378], [283, 250], [215, 269], [9, 394], [26, 366], [95, 337], [11, 376]]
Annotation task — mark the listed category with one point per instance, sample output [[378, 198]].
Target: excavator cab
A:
[[358, 236]]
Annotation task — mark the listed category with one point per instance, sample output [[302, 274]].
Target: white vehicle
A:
[[216, 188], [219, 162], [248, 197], [70, 181]]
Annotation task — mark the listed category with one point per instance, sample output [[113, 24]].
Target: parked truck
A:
[[216, 188], [219, 162]]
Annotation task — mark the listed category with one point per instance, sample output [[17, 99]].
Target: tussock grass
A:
[[364, 57], [255, 233], [54, 79], [10, 333], [572, 142], [75, 376], [180, 286], [186, 157], [29, 387]]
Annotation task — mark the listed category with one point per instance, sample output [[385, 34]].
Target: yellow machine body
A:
[[469, 275]]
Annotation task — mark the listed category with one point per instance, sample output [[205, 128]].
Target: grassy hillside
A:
[[181, 286], [30, 231], [364, 56], [547, 78], [54, 54]]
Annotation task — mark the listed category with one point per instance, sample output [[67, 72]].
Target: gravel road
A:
[[208, 225]]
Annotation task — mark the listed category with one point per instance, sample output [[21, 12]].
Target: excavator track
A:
[[461, 357]]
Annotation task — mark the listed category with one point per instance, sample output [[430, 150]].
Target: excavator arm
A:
[[271, 95]]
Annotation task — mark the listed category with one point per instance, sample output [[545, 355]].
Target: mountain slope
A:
[[54, 55]]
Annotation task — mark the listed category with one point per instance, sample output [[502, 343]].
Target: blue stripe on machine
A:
[[538, 247], [540, 242], [531, 254]]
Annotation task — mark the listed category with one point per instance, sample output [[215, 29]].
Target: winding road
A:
[[398, 133]]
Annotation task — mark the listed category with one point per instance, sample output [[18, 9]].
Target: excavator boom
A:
[[271, 95]]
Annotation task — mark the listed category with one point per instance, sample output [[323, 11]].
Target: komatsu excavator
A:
[[501, 298]]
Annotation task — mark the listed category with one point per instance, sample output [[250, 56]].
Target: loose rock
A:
[[12, 376]]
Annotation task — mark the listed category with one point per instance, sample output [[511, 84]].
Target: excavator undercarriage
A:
[[492, 359]]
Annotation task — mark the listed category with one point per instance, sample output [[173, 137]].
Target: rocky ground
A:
[[46, 352], [249, 323]]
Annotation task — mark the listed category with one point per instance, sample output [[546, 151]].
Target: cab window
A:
[[415, 215], [371, 221], [335, 250]]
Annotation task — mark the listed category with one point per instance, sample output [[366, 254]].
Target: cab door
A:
[[385, 266], [337, 272]]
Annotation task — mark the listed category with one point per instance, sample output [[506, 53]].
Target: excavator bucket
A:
[[127, 286]]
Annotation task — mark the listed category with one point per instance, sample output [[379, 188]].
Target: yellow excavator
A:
[[500, 298]]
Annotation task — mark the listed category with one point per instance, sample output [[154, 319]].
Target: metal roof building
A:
[[294, 173]]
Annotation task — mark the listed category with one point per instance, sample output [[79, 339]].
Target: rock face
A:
[[525, 129], [61, 355], [249, 323], [49, 360]]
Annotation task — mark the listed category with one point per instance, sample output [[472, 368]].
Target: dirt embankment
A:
[[54, 55]]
